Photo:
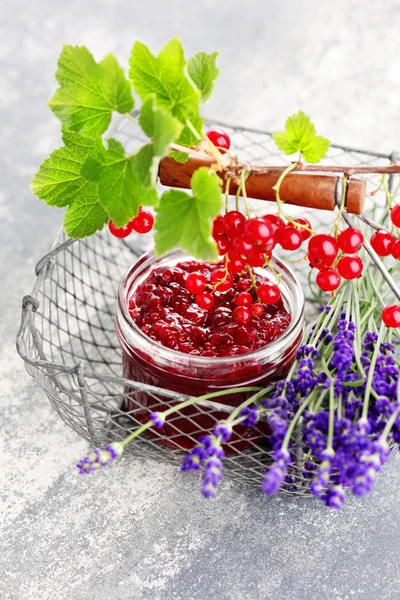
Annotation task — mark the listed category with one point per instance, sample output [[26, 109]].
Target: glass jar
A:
[[147, 361]]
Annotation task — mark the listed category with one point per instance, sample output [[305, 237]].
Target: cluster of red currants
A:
[[221, 281], [323, 253], [142, 223], [385, 243]]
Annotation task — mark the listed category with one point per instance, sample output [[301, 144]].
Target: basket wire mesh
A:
[[68, 342]]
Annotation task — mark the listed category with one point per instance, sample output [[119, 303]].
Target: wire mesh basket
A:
[[68, 342]]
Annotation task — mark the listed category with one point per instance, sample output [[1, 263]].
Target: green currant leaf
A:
[[185, 220], [159, 125], [59, 183], [121, 179], [203, 71], [89, 92], [299, 136], [166, 77]]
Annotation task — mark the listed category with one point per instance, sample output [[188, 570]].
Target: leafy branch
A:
[[94, 177]]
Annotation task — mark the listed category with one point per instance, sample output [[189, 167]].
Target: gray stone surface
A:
[[140, 530]]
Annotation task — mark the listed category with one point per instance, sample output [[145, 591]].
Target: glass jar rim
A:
[[147, 260]]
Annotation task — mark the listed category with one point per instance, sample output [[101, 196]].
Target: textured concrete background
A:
[[140, 530]]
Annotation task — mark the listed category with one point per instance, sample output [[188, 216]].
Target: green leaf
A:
[[166, 77], [300, 136], [185, 220], [89, 92], [159, 125], [120, 181], [163, 129], [59, 183], [188, 138], [85, 215], [203, 71]]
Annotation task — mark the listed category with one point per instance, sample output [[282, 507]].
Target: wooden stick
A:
[[312, 190]]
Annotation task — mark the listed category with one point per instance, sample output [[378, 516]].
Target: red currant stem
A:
[[389, 196], [268, 265], [335, 227], [278, 184], [371, 371], [227, 186], [253, 280], [377, 189], [243, 177], [128, 116], [296, 262]]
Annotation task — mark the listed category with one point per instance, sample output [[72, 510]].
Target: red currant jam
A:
[[166, 311], [171, 342]]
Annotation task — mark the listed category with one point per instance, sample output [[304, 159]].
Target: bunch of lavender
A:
[[332, 421]]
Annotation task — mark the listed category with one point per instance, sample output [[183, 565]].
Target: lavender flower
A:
[[99, 458], [212, 476], [252, 416], [335, 497], [158, 419], [223, 430], [276, 474]]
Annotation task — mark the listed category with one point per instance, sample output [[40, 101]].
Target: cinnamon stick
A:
[[311, 190]]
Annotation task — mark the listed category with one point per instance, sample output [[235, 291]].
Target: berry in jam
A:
[[164, 308]]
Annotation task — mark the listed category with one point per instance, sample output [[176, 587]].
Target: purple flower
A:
[[99, 458], [275, 476], [158, 419], [335, 497], [212, 476], [251, 415], [321, 478], [223, 430]]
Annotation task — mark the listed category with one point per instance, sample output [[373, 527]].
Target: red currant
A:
[[233, 223], [143, 222], [391, 316], [222, 243], [289, 238], [305, 234], [275, 221], [221, 280], [383, 242], [257, 309], [323, 248], [396, 250], [120, 232], [218, 226], [241, 314], [195, 283], [244, 299], [313, 263], [204, 300], [269, 293], [395, 215], [220, 139], [236, 263], [242, 246], [258, 231], [256, 259], [350, 240], [350, 267], [328, 279]]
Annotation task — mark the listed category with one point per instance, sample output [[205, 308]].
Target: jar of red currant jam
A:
[[170, 342]]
